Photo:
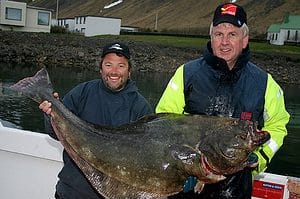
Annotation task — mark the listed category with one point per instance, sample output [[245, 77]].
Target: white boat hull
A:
[[29, 164]]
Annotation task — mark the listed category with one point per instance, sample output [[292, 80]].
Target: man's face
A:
[[227, 42], [114, 71]]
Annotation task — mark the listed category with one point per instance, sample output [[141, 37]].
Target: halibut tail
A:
[[37, 87]]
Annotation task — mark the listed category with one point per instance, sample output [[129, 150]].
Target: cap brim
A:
[[227, 19]]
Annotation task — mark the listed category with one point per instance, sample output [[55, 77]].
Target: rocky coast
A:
[[69, 50]]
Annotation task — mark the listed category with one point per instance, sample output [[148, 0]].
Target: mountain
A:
[[180, 16]]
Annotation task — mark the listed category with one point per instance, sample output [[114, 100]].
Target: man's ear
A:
[[245, 41]]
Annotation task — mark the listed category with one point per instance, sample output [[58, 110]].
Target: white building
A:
[[93, 25], [68, 23], [287, 31], [19, 16]]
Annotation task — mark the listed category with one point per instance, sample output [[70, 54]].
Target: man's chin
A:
[[114, 87]]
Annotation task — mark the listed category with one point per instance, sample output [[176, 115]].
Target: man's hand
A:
[[45, 106], [252, 161]]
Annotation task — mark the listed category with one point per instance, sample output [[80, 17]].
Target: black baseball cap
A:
[[230, 13], [116, 47]]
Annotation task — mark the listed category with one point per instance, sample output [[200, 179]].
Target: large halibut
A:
[[152, 157]]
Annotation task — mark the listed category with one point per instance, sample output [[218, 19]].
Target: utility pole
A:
[[57, 10], [156, 19]]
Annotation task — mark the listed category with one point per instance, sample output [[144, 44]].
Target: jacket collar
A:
[[220, 64]]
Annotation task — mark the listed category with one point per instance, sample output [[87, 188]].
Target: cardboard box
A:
[[270, 186]]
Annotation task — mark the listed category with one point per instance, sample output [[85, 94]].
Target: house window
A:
[[13, 14], [288, 35], [83, 20], [296, 36], [43, 18]]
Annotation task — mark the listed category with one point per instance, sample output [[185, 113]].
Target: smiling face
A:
[[115, 71], [227, 42]]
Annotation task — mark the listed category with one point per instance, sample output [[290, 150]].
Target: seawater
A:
[[21, 112]]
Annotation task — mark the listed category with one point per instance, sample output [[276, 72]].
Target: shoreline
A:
[[68, 50]]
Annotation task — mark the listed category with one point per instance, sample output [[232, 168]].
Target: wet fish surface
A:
[[152, 157]]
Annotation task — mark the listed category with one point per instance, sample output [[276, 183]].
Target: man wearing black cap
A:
[[112, 100], [224, 82]]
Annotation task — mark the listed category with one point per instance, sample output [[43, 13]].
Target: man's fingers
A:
[[48, 111], [45, 106]]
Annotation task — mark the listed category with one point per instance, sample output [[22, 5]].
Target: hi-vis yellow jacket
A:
[[206, 86]]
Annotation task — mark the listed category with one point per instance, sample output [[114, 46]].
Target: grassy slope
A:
[[188, 15]]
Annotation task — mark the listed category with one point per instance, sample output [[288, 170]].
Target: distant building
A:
[[92, 25], [287, 31], [18, 16], [68, 23], [129, 29]]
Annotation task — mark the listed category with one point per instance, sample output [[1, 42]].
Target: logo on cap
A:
[[116, 46], [228, 9], [230, 13]]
